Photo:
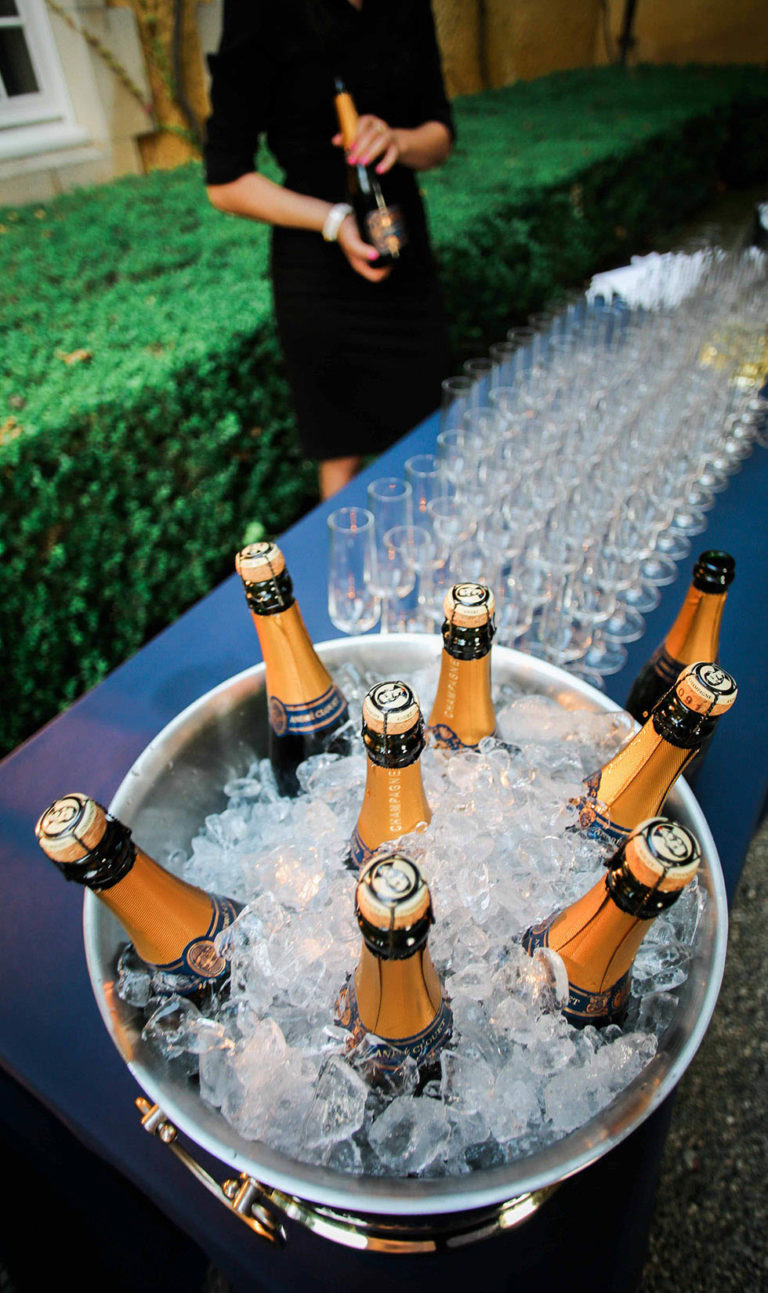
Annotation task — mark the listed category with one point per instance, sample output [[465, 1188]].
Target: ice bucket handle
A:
[[247, 1199], [243, 1196]]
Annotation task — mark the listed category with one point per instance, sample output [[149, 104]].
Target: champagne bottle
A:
[[463, 711], [380, 224], [395, 992], [306, 708], [171, 924], [394, 802], [598, 935], [634, 783], [695, 634]]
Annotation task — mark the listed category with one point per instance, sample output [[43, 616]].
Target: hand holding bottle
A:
[[373, 138], [378, 222], [361, 255]]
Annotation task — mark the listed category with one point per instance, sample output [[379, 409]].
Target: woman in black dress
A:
[[365, 347]]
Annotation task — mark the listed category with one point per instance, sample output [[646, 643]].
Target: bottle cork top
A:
[[662, 854], [259, 562], [391, 708], [469, 605], [714, 571], [392, 893], [346, 112], [71, 828], [706, 688]]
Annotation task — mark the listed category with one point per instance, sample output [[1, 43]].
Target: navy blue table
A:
[[67, 1106]]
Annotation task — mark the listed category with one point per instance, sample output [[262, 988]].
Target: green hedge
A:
[[144, 418]]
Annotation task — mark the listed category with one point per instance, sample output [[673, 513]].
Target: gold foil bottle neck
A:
[[259, 562], [71, 828], [469, 605], [391, 707], [347, 117], [706, 689], [392, 893], [662, 854]]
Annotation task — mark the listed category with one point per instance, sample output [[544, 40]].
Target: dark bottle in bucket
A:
[[598, 936], [380, 222], [306, 709]]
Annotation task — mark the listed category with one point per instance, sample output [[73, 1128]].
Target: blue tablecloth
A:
[[53, 1044]]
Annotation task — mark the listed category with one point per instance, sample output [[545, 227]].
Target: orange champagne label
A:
[[301, 694], [394, 804], [397, 999], [596, 940], [695, 634], [160, 913], [634, 783], [463, 711]]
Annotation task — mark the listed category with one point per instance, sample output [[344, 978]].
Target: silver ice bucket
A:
[[165, 796]]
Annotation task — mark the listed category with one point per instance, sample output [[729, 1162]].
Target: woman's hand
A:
[[373, 138], [361, 255]]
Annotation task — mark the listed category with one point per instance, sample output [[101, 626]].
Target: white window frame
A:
[[48, 107]]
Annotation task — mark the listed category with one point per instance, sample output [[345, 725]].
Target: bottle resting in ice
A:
[[395, 992], [463, 711], [635, 782], [695, 634], [598, 936], [306, 709], [172, 925], [394, 802]]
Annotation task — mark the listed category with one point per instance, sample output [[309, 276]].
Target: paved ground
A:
[[710, 1227]]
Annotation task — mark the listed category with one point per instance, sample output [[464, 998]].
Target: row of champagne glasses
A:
[[587, 453], [572, 467]]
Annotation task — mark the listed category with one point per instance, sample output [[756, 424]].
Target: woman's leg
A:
[[335, 473]]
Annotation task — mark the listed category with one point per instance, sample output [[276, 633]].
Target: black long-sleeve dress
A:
[[365, 360]]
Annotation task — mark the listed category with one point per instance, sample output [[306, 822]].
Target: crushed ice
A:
[[515, 1076]]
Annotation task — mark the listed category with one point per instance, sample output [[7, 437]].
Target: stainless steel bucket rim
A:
[[397, 1196]]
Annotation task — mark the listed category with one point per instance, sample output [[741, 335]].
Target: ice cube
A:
[[410, 1134], [338, 1107]]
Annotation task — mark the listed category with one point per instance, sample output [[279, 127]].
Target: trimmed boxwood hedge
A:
[[144, 413]]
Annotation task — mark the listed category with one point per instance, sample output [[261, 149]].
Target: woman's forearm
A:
[[259, 198], [425, 146]]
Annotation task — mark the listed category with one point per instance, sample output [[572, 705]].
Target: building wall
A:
[[693, 31], [484, 43], [97, 137]]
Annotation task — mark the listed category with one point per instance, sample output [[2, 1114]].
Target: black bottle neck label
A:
[[396, 944], [394, 749], [465, 642], [714, 572], [682, 727], [642, 901], [105, 864], [270, 596]]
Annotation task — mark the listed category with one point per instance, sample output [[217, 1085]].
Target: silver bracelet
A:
[[335, 219]]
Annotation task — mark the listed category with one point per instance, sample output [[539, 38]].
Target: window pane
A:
[[8, 9], [15, 64]]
